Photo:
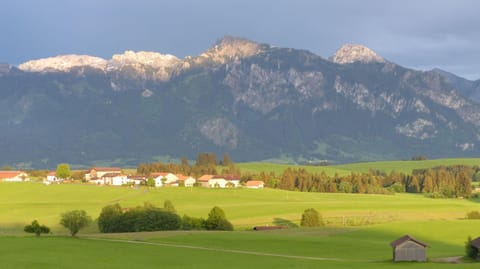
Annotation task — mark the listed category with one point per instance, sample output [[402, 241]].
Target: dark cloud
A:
[[417, 34]]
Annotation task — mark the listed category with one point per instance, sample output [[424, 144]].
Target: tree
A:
[[36, 228], [217, 220], [75, 220], [168, 206], [311, 218], [463, 186], [470, 250], [110, 218], [226, 160], [63, 171]]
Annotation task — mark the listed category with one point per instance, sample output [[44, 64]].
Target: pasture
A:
[[344, 169], [357, 234]]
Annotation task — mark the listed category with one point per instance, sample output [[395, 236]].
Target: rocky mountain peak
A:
[[350, 53], [231, 48], [63, 63], [153, 59]]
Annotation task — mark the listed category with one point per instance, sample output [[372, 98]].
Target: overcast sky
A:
[[420, 34]]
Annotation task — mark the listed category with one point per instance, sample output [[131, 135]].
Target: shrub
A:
[[217, 220], [168, 206], [75, 220], [470, 251], [311, 218], [36, 228], [112, 219], [109, 220], [473, 215], [192, 223]]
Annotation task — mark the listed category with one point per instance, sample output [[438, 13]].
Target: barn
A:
[[476, 245], [407, 248]]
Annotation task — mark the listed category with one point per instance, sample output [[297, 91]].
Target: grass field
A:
[[357, 235], [387, 166]]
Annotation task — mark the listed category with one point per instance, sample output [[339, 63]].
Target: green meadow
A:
[[359, 227], [343, 169]]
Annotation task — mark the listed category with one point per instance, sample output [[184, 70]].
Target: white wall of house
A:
[[17, 178], [189, 182], [120, 180]]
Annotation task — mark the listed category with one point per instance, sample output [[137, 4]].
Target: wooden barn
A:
[[476, 245], [407, 248]]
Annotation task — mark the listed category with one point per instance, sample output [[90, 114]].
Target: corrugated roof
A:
[[406, 238]]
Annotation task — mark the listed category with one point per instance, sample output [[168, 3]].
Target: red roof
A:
[[106, 168], [228, 177], [255, 183], [406, 238], [162, 174], [10, 174], [53, 173], [111, 175], [205, 177], [182, 177]]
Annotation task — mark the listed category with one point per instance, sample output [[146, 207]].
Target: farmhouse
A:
[[407, 248], [97, 172], [186, 181], [203, 180], [52, 178], [13, 176], [255, 184], [164, 179], [137, 179], [115, 179], [225, 181]]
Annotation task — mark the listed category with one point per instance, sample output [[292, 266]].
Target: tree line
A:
[[115, 219], [206, 164], [442, 181]]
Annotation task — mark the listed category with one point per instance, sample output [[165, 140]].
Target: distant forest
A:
[[437, 182]]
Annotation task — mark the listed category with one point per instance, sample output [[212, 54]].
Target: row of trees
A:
[[114, 219], [206, 164], [442, 181]]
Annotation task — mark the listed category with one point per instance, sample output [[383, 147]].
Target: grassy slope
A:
[[434, 221], [387, 166], [22, 202]]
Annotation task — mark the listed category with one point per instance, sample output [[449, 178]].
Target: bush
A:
[[109, 220], [311, 218], [192, 223], [36, 228], [142, 218], [470, 251], [75, 220], [217, 220], [473, 215]]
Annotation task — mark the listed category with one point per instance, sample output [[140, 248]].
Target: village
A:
[[114, 176]]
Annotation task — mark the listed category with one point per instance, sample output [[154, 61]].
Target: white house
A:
[[188, 181], [227, 181], [115, 179], [13, 176], [97, 172], [203, 180], [164, 179], [255, 184], [52, 178], [137, 180]]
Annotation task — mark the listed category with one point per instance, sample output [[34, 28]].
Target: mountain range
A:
[[251, 100]]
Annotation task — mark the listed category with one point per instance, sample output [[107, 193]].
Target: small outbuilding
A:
[[476, 245], [407, 248]]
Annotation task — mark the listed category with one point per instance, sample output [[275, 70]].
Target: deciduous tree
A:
[[36, 228], [75, 220]]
